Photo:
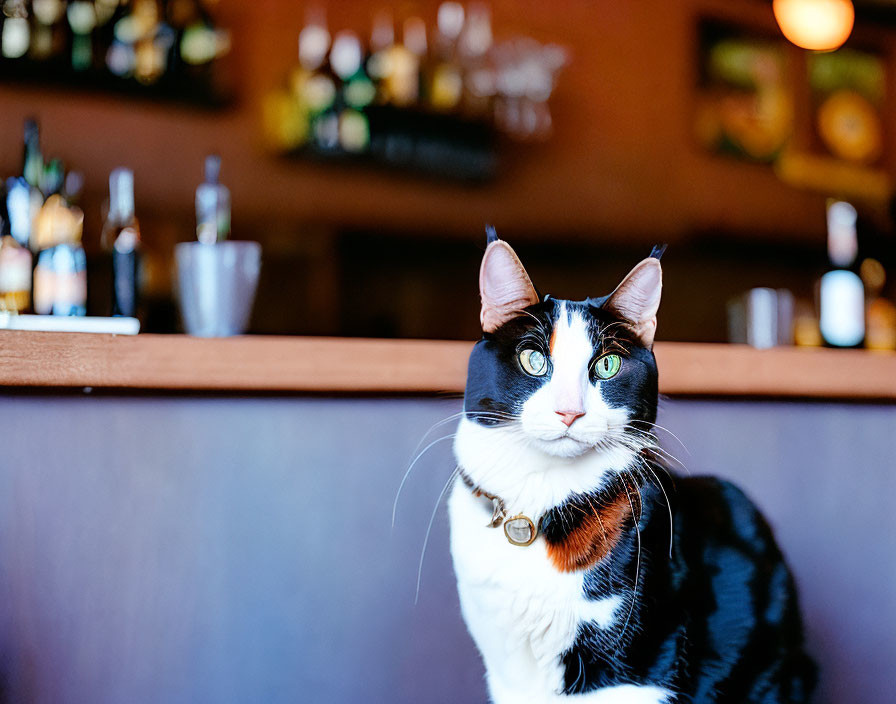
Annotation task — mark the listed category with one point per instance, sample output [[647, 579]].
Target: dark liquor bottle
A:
[[24, 193], [121, 237], [841, 294], [81, 16], [48, 39], [32, 159]]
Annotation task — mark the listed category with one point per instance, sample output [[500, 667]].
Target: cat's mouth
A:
[[566, 445]]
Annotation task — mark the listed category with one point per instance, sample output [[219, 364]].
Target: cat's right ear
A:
[[504, 286], [637, 298]]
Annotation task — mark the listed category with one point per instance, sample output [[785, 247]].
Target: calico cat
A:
[[587, 572]]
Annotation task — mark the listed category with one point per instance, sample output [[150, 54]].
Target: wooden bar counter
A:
[[345, 365], [213, 523]]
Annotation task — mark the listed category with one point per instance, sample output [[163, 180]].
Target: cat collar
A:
[[519, 530]]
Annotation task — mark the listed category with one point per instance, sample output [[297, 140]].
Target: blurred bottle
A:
[[212, 204], [142, 43], [60, 277], [197, 40], [416, 42], [121, 239], [443, 75], [393, 65], [315, 84], [880, 313], [382, 37], [48, 39], [474, 45], [23, 202], [356, 91], [116, 31], [32, 158], [15, 256], [15, 37], [841, 294], [81, 16]]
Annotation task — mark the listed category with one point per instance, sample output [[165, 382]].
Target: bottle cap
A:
[[345, 56], [314, 40], [212, 168], [121, 194], [843, 245], [450, 20]]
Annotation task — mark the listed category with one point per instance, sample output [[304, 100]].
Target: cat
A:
[[587, 572]]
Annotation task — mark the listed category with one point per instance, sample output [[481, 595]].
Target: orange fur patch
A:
[[595, 536]]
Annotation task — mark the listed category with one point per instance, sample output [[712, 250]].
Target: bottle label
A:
[[842, 319]]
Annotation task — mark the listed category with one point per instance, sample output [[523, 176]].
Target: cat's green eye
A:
[[608, 366], [533, 362]]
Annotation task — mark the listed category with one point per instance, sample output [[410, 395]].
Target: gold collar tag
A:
[[520, 530]]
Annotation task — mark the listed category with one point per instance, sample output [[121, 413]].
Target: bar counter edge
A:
[[346, 365]]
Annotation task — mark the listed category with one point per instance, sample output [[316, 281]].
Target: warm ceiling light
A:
[[820, 25]]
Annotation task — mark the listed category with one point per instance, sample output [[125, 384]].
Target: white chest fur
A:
[[521, 611], [518, 608]]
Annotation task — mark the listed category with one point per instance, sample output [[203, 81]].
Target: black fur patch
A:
[[497, 385], [714, 621]]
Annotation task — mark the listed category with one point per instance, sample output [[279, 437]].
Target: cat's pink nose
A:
[[569, 417]]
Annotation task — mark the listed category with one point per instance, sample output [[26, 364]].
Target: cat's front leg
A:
[[623, 694]]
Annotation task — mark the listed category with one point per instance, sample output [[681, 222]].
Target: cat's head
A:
[[564, 379]]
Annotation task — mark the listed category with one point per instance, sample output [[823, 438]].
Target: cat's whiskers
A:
[[645, 465], [432, 518], [664, 429], [505, 418], [634, 596], [411, 467], [652, 443], [435, 425]]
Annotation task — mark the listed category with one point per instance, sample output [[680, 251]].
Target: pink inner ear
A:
[[504, 286], [637, 298], [640, 293]]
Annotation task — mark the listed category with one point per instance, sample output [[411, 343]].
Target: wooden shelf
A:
[[348, 365]]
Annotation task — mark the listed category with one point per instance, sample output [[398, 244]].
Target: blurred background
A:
[[248, 556], [367, 168]]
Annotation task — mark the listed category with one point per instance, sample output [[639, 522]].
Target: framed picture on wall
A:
[[744, 103], [848, 91], [846, 142]]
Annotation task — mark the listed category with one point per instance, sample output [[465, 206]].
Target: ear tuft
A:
[[637, 299], [504, 286], [491, 234], [658, 251]]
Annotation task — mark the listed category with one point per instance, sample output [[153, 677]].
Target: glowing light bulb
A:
[[819, 25]]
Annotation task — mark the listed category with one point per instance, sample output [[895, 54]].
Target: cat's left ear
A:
[[637, 299], [504, 285]]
